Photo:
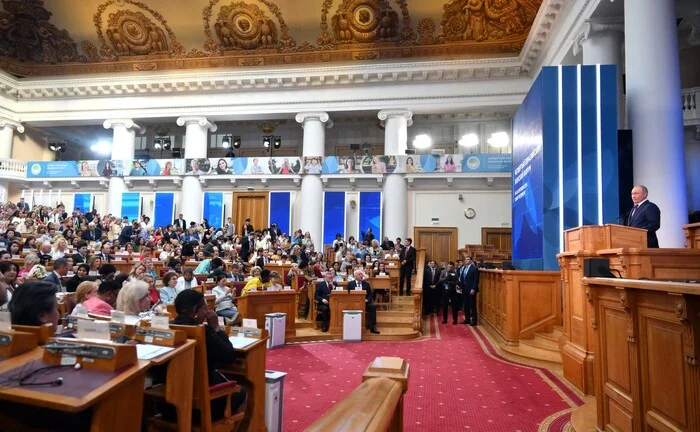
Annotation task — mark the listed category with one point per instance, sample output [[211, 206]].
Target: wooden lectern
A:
[[578, 343], [692, 235]]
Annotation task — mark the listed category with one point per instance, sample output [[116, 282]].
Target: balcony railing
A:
[[11, 168], [691, 116]]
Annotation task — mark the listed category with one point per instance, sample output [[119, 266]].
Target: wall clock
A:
[[469, 213]]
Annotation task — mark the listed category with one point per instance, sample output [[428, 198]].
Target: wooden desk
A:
[[251, 368], [255, 305], [116, 404], [647, 368], [345, 300], [692, 234], [178, 387]]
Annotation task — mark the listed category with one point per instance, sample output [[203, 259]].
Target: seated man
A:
[[323, 291], [259, 283], [105, 300], [370, 307]]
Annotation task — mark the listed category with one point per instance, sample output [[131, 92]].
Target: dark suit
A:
[[323, 292], [80, 259], [260, 262], [23, 206], [370, 307], [125, 236], [448, 283], [245, 248], [53, 278], [92, 235], [180, 223], [408, 255], [431, 296], [105, 258], [469, 280], [647, 216]]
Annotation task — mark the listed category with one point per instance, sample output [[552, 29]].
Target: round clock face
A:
[[469, 213]]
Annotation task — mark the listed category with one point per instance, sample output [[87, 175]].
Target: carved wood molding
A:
[[627, 302], [688, 312]]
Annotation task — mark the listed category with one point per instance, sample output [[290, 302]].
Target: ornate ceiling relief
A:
[[27, 35], [130, 32], [364, 21], [484, 20]]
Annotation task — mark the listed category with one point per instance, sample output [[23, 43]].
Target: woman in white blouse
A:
[[224, 298], [60, 249]]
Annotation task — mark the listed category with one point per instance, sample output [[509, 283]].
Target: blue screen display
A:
[[280, 210], [370, 214], [82, 201], [333, 216], [213, 208], [164, 209], [131, 203]]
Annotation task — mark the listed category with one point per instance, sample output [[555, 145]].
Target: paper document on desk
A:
[[241, 342], [147, 351]]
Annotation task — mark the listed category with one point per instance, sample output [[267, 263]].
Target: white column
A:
[[196, 142], [655, 111], [395, 190], [314, 124], [7, 132], [123, 149], [396, 123], [601, 42]]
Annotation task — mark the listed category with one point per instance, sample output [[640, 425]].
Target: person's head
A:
[[82, 271], [639, 194], [409, 161], [31, 260], [45, 248], [107, 269], [449, 161], [95, 262], [61, 266], [431, 264], [8, 271], [170, 279], [359, 274], [109, 290], [221, 280], [15, 248], [255, 271], [467, 260], [84, 165], [107, 248], [82, 248], [235, 269], [350, 163], [34, 304], [216, 263], [130, 247], [133, 298], [138, 270], [188, 274], [222, 164], [408, 242], [191, 303], [86, 290], [194, 164], [168, 166], [265, 276], [450, 265], [328, 276]]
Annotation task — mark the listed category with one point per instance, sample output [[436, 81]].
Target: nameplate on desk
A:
[[287, 288], [117, 317], [209, 280], [248, 332], [166, 337], [118, 259], [358, 288], [70, 274], [97, 330], [253, 290], [338, 288], [16, 257], [160, 322], [5, 321], [250, 322], [96, 355]]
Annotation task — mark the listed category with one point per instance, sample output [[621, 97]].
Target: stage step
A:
[[529, 352], [551, 336], [394, 319], [541, 343], [584, 418]]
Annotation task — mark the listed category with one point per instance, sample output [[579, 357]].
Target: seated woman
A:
[[138, 270], [275, 280], [153, 293], [254, 273], [106, 298], [191, 309], [94, 262], [224, 300], [169, 290], [85, 291], [258, 283], [80, 276], [217, 269], [8, 282], [34, 304], [133, 299], [29, 262]]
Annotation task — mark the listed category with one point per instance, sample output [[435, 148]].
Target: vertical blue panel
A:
[[550, 173], [570, 146], [214, 208], [131, 203], [371, 213], [609, 160], [82, 201], [280, 210], [164, 209], [333, 216], [589, 151]]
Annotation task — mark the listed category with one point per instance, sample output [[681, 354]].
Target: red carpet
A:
[[456, 382]]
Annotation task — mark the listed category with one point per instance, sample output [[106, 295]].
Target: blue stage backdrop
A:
[[280, 210], [164, 209], [564, 160], [131, 204], [370, 214], [333, 216], [213, 208], [82, 201]]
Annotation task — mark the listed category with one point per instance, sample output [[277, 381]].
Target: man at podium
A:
[[645, 214]]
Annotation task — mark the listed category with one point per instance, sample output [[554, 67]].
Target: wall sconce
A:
[[353, 204]]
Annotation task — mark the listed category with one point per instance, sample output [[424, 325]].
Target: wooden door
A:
[[500, 238], [440, 243], [253, 205]]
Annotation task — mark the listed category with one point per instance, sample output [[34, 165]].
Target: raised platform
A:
[[542, 350]]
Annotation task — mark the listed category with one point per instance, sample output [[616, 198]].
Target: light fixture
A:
[[469, 140], [422, 141], [499, 140], [157, 143], [226, 141], [167, 143], [277, 142], [102, 147], [266, 141], [236, 142], [57, 146]]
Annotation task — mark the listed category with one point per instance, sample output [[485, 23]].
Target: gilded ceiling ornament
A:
[[363, 21], [132, 33], [426, 32], [27, 35], [482, 20]]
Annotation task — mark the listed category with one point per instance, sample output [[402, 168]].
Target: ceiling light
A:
[[277, 142], [226, 141], [236, 142], [167, 143], [422, 141], [469, 140], [498, 140], [57, 146], [102, 147], [266, 141]]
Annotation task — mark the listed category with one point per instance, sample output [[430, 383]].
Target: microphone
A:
[[623, 217]]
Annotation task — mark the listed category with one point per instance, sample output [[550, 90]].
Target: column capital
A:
[[201, 121], [597, 25], [127, 123], [320, 116], [6, 122], [386, 114]]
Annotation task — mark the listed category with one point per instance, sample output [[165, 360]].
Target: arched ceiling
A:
[[60, 37]]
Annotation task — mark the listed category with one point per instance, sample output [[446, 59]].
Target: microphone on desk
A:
[[622, 218]]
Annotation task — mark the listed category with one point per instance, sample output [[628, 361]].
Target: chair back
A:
[[200, 394], [43, 332]]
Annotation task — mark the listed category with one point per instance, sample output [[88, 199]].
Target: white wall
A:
[[692, 170], [493, 209], [352, 215]]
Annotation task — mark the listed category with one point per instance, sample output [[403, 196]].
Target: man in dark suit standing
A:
[[370, 307], [60, 269], [127, 235], [431, 293], [449, 282], [322, 297], [23, 206], [408, 261], [645, 214], [469, 281], [180, 222]]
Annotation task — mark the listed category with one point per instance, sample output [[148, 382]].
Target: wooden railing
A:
[[375, 406], [417, 291], [517, 304]]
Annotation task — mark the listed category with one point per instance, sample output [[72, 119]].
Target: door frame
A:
[[236, 195], [453, 231]]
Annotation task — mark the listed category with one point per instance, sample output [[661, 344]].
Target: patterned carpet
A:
[[457, 381]]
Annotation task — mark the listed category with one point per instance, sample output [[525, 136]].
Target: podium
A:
[[578, 344], [692, 235]]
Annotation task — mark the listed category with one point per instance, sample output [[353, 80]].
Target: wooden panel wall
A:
[[440, 244], [500, 238], [253, 205]]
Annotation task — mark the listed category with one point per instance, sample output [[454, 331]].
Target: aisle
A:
[[456, 382]]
